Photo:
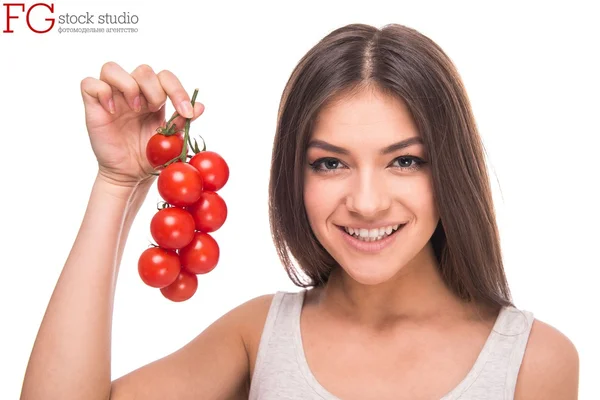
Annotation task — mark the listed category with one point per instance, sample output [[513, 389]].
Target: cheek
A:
[[319, 199], [312, 206], [426, 206], [418, 198], [309, 195]]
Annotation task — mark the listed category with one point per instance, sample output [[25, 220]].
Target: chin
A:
[[369, 272]]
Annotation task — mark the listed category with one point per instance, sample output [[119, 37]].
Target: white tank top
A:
[[282, 372]]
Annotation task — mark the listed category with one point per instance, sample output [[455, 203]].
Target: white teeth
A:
[[371, 235]]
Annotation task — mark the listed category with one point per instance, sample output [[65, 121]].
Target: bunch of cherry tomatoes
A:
[[191, 210]]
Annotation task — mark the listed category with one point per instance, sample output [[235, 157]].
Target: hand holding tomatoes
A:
[[122, 111]]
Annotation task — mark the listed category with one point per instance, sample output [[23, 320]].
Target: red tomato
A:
[[183, 288], [161, 148], [180, 184], [172, 228], [158, 267], [213, 168], [201, 255], [209, 212]]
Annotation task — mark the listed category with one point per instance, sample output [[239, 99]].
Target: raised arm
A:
[[71, 354]]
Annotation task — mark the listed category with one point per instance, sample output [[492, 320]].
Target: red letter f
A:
[[9, 17]]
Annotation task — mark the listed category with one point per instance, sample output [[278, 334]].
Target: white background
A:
[[531, 72]]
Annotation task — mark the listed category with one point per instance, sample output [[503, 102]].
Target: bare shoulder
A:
[[253, 316], [255, 307], [550, 366]]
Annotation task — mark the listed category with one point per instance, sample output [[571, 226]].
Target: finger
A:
[[176, 92], [99, 90], [150, 86], [179, 121], [113, 74]]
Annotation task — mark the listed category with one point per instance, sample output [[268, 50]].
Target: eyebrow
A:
[[321, 144]]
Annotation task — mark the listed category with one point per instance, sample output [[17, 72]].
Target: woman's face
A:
[[357, 177]]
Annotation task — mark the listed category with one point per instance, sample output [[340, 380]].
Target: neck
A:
[[416, 293]]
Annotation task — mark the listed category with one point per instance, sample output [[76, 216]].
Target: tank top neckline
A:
[[325, 394]]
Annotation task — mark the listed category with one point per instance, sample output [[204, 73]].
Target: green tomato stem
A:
[[172, 118], [190, 142], [184, 151]]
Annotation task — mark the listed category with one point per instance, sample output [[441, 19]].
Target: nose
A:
[[368, 195]]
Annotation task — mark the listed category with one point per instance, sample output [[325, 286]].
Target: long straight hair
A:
[[401, 62]]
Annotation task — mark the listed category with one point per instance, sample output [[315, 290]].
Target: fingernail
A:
[[111, 106], [137, 105], [186, 107]]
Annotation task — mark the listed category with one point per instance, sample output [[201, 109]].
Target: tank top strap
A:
[[512, 336], [277, 340]]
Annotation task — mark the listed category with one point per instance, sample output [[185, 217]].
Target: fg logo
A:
[[12, 11]]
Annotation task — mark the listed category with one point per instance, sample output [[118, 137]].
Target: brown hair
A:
[[401, 62]]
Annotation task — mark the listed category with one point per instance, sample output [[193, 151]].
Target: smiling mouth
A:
[[366, 236]]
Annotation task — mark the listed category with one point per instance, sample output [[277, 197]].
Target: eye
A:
[[325, 164], [409, 162]]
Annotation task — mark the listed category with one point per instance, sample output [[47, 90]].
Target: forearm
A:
[[71, 354], [136, 199]]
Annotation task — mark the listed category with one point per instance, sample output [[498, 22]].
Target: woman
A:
[[378, 190]]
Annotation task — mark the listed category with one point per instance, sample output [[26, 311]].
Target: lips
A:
[[372, 246]]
